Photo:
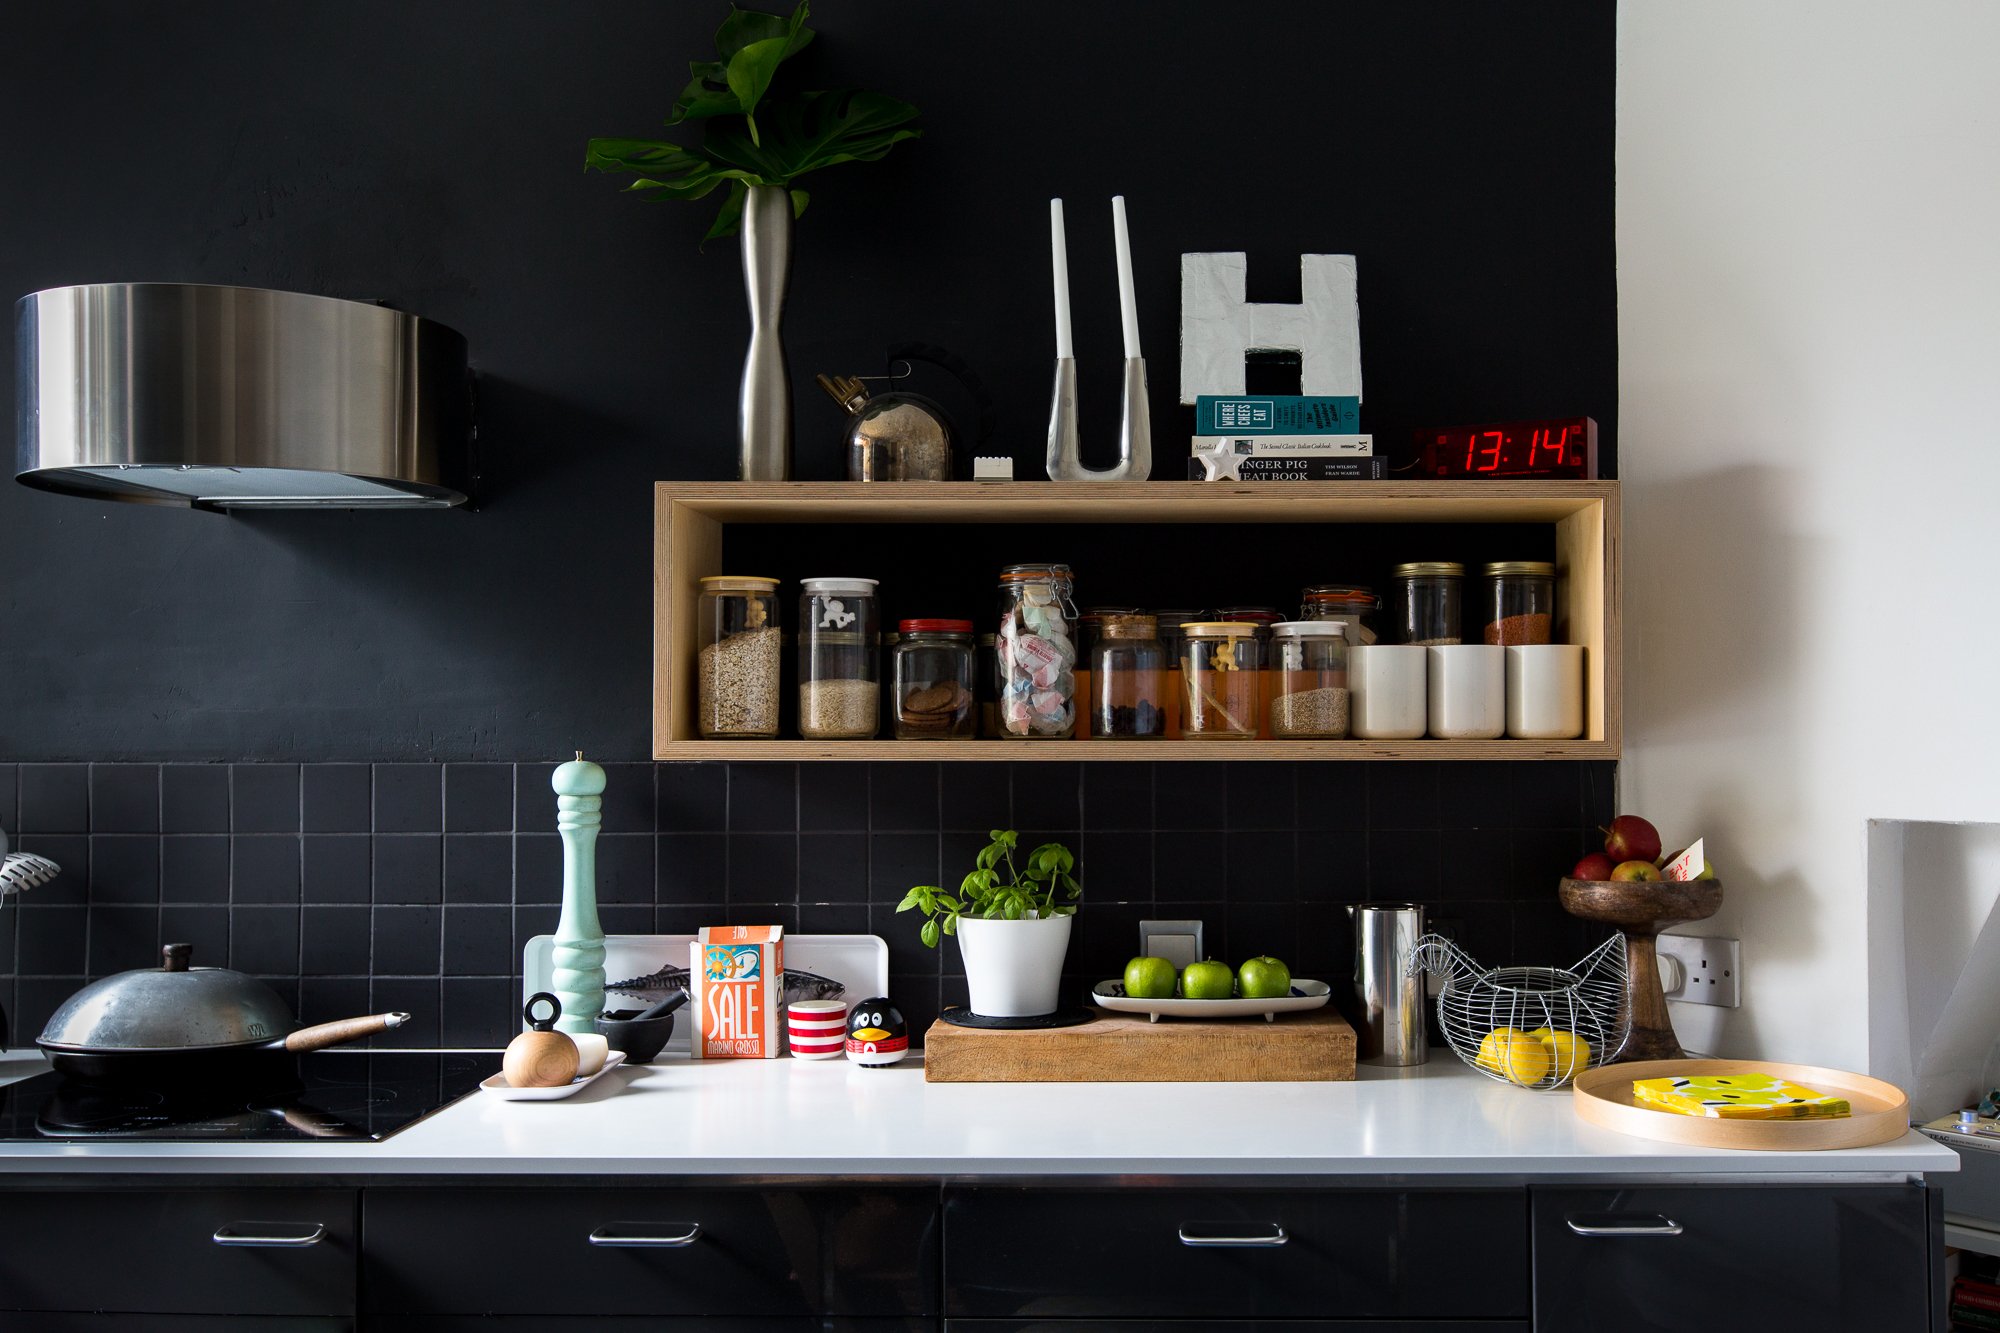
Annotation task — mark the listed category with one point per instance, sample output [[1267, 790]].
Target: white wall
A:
[[1809, 327]]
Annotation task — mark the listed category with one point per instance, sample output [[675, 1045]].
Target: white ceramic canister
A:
[[1468, 691], [1545, 691], [1385, 686]]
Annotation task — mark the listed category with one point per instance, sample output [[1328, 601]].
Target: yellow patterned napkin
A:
[[1738, 1097]]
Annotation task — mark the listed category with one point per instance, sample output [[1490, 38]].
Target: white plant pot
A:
[[1014, 968]]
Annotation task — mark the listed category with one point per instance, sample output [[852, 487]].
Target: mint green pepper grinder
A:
[[578, 974]]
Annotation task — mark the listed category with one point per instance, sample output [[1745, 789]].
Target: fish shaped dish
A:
[[645, 969]]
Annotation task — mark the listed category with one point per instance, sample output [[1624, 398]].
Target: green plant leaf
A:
[[910, 899], [753, 45], [930, 933], [951, 924], [730, 215], [815, 130], [744, 26], [799, 201], [707, 94]]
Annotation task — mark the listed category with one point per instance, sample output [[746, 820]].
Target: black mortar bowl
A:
[[640, 1038]]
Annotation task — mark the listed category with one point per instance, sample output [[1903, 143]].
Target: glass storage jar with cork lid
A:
[[1036, 648], [1518, 602], [1087, 622], [1309, 680], [1219, 680], [839, 696], [934, 691], [1127, 677], [1429, 597], [736, 657]]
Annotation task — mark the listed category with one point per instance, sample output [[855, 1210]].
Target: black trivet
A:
[[1075, 1016]]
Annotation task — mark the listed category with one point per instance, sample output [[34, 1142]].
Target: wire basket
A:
[[1510, 1023]]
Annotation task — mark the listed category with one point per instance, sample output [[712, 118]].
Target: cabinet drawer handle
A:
[[1274, 1236], [270, 1235], [1618, 1224], [643, 1237]]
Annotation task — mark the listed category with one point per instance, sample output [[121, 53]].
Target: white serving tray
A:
[[858, 962], [1305, 995], [507, 1092]]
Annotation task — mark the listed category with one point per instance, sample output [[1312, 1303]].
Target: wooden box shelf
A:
[[694, 522]]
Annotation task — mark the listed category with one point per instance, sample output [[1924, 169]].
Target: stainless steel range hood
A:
[[238, 398]]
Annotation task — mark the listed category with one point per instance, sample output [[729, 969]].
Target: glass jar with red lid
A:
[[1354, 605], [934, 686]]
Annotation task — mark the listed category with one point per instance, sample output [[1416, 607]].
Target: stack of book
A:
[[1974, 1304], [1269, 437]]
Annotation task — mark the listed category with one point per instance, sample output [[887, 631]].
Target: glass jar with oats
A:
[[736, 657], [1308, 666], [839, 654]]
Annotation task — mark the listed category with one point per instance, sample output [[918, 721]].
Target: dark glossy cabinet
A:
[[1833, 1260], [1216, 1258], [711, 1256], [286, 1257], [1234, 1254]]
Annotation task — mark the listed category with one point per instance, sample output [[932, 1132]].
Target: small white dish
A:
[[1305, 995], [499, 1087]]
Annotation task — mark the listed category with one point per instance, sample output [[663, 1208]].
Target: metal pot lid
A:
[[169, 1008]]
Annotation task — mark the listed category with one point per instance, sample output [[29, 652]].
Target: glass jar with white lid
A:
[[840, 696]]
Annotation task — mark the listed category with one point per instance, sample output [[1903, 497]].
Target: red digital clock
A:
[[1563, 447]]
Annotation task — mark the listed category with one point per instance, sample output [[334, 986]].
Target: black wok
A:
[[166, 1025]]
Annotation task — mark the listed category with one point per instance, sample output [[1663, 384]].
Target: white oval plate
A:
[[499, 1087], [1305, 995]]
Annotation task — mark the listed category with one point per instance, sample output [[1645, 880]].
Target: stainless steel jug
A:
[[1391, 1000]]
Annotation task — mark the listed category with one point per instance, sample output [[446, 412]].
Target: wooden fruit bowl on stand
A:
[[1642, 909]]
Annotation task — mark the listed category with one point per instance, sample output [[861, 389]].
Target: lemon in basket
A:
[[1569, 1054], [1517, 1056]]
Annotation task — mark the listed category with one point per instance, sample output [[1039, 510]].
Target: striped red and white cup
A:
[[817, 1029]]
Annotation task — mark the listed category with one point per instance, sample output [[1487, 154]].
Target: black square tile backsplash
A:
[[355, 888]]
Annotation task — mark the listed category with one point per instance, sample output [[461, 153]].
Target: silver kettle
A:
[[900, 435]]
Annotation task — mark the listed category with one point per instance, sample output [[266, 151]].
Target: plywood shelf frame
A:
[[690, 519]]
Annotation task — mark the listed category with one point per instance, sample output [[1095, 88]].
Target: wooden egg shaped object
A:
[[877, 1033], [541, 1057]]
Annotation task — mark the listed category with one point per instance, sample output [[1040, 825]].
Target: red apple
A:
[[1631, 838], [1635, 871], [1595, 866]]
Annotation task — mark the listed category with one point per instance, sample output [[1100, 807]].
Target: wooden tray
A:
[[1130, 1048], [1603, 1096]]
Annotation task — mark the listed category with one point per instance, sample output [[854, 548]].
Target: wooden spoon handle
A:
[[322, 1035]]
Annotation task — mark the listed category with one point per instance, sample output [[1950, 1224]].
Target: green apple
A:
[[1264, 978], [1150, 979], [1207, 980], [1631, 871], [1707, 870]]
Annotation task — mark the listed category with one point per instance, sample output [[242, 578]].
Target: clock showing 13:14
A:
[[1559, 447]]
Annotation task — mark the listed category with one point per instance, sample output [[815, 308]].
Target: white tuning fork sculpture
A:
[[1135, 431]]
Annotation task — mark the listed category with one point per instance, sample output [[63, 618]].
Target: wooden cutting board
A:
[[1126, 1048]]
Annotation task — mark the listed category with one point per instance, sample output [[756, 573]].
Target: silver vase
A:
[[764, 412]]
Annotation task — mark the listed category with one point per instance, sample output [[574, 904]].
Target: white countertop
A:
[[780, 1118]]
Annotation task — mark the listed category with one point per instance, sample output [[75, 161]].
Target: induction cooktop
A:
[[355, 1096]]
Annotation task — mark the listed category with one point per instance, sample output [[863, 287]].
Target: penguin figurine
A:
[[877, 1034]]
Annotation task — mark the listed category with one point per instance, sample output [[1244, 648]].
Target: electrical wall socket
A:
[[1712, 969]]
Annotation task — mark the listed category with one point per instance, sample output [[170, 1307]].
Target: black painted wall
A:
[[355, 888], [429, 153]]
